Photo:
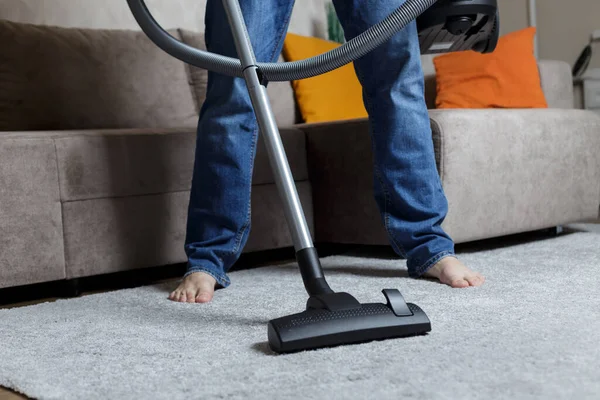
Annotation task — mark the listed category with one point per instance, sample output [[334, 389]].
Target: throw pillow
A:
[[507, 78], [336, 95]]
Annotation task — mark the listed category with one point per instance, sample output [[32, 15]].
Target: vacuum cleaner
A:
[[332, 318]]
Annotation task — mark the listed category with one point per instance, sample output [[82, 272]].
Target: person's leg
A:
[[407, 186], [219, 209]]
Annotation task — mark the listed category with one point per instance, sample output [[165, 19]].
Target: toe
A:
[[475, 280], [182, 297], [459, 283], [204, 297], [190, 296]]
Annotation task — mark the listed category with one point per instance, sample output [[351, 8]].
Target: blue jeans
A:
[[407, 186]]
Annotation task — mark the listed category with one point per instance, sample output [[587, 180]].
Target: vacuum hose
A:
[[286, 71]]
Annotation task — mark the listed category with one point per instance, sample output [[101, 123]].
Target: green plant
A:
[[335, 31]]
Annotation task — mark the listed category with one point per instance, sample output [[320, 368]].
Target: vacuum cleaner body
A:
[[459, 25]]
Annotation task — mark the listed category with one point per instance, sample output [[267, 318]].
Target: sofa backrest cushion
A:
[[557, 83], [68, 78]]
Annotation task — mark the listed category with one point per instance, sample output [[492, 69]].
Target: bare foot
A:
[[454, 273], [195, 288]]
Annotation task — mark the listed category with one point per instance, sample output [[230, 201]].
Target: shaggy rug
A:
[[531, 332]]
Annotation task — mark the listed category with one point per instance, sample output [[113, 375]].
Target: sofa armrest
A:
[[557, 83], [510, 171]]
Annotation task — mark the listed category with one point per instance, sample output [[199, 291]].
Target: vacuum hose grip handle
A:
[[286, 71]]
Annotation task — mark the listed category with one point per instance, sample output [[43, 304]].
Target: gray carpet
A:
[[531, 332]]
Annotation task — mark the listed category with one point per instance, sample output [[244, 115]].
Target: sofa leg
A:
[[71, 288]]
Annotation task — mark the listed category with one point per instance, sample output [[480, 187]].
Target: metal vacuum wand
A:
[[306, 254]]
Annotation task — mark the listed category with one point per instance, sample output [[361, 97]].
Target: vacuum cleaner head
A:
[[339, 319], [458, 25]]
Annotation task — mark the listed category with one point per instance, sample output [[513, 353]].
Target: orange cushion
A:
[[336, 95], [507, 78]]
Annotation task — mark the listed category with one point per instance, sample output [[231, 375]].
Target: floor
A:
[[250, 261], [6, 394]]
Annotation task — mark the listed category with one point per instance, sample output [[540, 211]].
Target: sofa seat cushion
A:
[[130, 162], [110, 235], [55, 78]]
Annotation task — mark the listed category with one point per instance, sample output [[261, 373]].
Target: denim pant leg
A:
[[219, 208], [407, 185]]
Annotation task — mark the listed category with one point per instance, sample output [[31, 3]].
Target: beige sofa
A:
[[97, 131]]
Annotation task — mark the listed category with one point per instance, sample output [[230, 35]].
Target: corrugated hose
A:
[[285, 71]]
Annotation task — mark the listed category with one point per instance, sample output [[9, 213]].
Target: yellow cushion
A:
[[336, 95]]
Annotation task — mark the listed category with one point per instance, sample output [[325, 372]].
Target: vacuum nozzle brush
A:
[[338, 318]]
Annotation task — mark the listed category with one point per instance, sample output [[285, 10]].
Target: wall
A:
[[564, 27], [513, 15], [308, 17]]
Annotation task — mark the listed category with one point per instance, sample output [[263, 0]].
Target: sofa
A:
[[97, 131]]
